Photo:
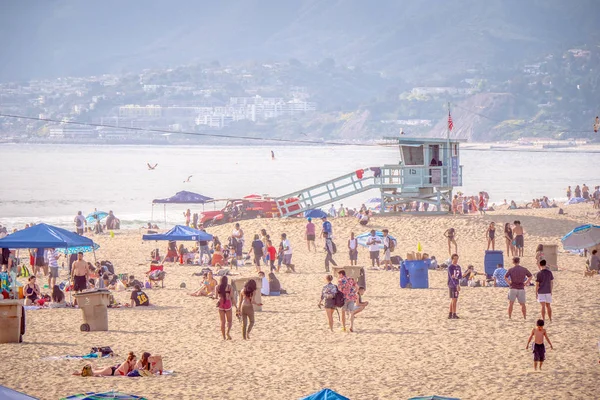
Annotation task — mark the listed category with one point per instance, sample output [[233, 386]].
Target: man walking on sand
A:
[[454, 277], [80, 223], [373, 242], [519, 241], [327, 228], [543, 289], [517, 278], [310, 235]]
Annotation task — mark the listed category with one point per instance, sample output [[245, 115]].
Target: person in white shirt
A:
[[266, 285], [287, 253], [373, 242], [53, 257], [332, 211], [80, 223]]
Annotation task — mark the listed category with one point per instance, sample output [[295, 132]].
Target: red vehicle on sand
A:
[[250, 207]]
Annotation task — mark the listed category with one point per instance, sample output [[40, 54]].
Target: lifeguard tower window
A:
[[413, 155]]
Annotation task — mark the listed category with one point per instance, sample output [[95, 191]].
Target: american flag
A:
[[450, 124]]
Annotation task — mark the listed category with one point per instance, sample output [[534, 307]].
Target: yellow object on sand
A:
[[112, 234], [419, 247]]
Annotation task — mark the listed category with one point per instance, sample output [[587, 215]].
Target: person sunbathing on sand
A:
[[208, 286], [116, 370]]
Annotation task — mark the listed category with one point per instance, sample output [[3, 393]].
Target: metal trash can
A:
[[11, 314], [238, 286], [94, 305]]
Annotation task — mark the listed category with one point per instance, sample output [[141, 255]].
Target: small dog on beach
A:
[[589, 272]]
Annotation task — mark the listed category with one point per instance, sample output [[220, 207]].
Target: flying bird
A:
[[188, 179], [151, 167]]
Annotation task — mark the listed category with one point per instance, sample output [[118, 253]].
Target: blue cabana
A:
[[325, 394], [184, 197], [45, 236], [180, 232]]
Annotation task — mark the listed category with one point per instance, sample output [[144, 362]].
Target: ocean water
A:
[[50, 183]]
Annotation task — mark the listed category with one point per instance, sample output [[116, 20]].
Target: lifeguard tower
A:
[[428, 170]]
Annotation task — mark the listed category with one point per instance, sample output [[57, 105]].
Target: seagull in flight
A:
[[188, 179], [151, 167]]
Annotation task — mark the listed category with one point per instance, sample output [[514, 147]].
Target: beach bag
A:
[[333, 247], [120, 286], [338, 299], [24, 271], [105, 350]]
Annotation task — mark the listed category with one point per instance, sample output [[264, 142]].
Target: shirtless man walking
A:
[[519, 242], [79, 273]]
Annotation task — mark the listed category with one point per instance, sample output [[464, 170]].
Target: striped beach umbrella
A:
[[582, 237]]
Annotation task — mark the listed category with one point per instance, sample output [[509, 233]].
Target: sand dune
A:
[[404, 345]]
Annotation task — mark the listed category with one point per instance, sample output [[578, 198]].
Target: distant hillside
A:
[[416, 39]]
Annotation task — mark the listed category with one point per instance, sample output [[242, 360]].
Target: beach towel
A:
[[69, 357]]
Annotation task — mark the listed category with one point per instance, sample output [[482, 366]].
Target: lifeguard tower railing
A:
[[397, 182]]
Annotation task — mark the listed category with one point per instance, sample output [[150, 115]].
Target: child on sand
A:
[[539, 350]]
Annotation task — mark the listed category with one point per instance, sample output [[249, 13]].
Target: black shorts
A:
[[519, 241], [374, 255], [79, 283], [453, 292], [310, 238], [80, 231], [539, 352], [329, 303]]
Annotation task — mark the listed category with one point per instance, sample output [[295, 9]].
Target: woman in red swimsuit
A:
[[224, 306]]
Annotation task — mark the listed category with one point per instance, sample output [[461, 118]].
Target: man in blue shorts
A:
[[454, 277]]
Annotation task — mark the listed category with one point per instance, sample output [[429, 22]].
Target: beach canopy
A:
[[363, 237], [184, 197], [44, 236], [9, 394], [325, 394], [180, 232], [105, 395], [96, 215], [77, 249], [582, 237], [374, 200], [433, 398], [317, 214]]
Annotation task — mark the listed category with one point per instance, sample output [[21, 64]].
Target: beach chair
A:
[[156, 277]]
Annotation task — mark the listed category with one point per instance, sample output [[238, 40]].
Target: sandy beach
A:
[[403, 346]]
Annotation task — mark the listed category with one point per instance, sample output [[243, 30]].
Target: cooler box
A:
[[355, 272], [94, 306], [418, 273], [491, 260], [238, 286], [11, 313], [403, 276]]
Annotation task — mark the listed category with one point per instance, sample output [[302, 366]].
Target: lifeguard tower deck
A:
[[428, 170]]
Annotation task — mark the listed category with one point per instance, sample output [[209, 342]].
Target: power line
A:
[[293, 141], [519, 125], [214, 135]]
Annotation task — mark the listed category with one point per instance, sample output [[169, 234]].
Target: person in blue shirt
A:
[[454, 277], [498, 276], [327, 228]]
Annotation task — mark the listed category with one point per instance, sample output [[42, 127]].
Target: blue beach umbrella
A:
[[363, 237], [433, 398], [104, 395], [582, 237], [317, 214], [96, 215]]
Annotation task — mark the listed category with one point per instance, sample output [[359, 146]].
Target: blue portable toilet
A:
[[404, 281], [418, 273], [491, 260]]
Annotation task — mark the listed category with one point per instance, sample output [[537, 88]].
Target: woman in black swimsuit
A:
[[491, 236], [32, 290], [508, 236]]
